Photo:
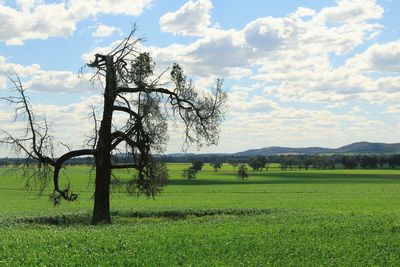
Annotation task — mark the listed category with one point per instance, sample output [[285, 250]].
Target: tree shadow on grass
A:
[[85, 218], [60, 220], [292, 178]]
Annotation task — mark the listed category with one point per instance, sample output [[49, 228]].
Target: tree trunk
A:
[[101, 210]]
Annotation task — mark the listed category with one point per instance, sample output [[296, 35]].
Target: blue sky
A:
[[299, 73]]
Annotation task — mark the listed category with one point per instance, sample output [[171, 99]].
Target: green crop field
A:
[[291, 218]]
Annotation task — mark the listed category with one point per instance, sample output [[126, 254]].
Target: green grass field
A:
[[295, 218]]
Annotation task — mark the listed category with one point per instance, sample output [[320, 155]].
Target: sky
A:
[[298, 73]]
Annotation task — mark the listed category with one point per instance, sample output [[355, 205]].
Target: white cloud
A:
[[389, 84], [393, 109], [120, 7], [34, 78], [293, 53], [10, 69], [44, 21], [27, 5], [304, 12], [218, 52], [270, 33], [305, 30], [300, 42], [294, 126], [193, 18], [105, 31], [62, 119], [356, 109], [351, 11], [378, 57], [59, 82], [40, 20], [290, 62]]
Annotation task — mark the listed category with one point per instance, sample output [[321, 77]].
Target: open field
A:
[[330, 217]]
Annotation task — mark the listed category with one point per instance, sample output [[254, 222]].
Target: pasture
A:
[[314, 217]]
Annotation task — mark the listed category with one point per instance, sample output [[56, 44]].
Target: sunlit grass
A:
[[327, 217]]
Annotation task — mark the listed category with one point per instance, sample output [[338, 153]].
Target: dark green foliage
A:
[[141, 68], [290, 161], [323, 162], [258, 163], [189, 173], [197, 165], [216, 165], [369, 162], [393, 161], [242, 171], [349, 162], [84, 218]]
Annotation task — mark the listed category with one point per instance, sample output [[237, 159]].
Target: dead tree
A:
[[133, 90]]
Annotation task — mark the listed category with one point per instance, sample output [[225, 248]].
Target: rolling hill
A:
[[355, 148]]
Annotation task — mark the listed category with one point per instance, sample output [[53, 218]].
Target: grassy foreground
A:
[[333, 217]]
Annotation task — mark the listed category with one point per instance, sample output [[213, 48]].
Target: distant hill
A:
[[355, 148], [366, 147]]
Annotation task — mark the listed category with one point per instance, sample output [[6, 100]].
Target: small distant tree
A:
[[289, 161], [258, 163], [197, 165], [216, 165], [242, 171], [283, 163], [189, 173]]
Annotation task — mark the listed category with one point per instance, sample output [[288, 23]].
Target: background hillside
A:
[[355, 148]]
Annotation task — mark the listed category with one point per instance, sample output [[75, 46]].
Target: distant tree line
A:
[[257, 163], [368, 161], [319, 162], [20, 161]]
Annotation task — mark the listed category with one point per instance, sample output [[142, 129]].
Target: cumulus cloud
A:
[[378, 57], [105, 31], [218, 52], [44, 21], [300, 42], [193, 18], [351, 11], [309, 31], [292, 54], [10, 69], [294, 126], [120, 7], [393, 109], [37, 79], [59, 82], [35, 19], [292, 57], [270, 33], [278, 70]]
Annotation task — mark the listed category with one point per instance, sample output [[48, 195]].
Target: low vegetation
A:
[[298, 217]]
